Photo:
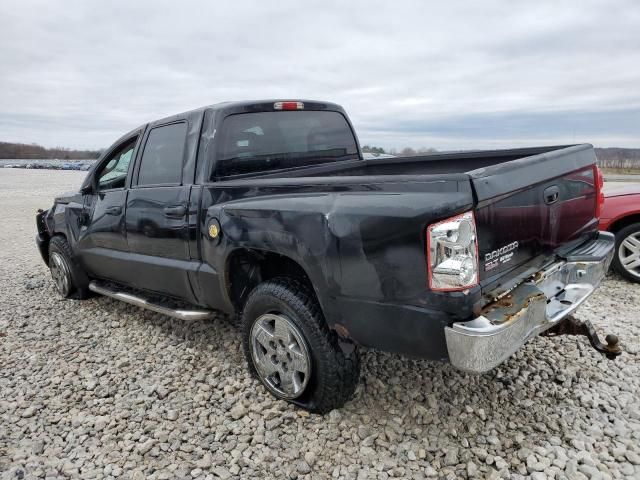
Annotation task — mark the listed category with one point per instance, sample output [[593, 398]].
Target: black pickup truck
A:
[[269, 212]]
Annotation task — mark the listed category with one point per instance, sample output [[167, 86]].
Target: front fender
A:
[[65, 217]]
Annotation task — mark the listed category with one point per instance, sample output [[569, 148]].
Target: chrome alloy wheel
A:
[[60, 273], [280, 355], [629, 254]]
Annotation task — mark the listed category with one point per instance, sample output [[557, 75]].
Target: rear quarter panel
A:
[[358, 243]]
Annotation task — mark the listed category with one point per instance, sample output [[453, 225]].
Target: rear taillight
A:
[[599, 180], [288, 106], [452, 253]]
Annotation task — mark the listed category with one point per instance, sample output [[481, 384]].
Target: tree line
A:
[[402, 152], [34, 151], [618, 158]]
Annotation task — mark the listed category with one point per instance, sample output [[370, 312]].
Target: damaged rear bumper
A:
[[554, 293]]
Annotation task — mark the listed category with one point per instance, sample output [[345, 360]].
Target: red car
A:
[[621, 216]]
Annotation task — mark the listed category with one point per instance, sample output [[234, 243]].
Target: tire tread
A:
[[80, 281], [339, 372], [620, 236]]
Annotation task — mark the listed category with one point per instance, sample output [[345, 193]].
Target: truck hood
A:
[[68, 197]]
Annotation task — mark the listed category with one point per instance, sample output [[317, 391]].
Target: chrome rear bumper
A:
[[534, 306]]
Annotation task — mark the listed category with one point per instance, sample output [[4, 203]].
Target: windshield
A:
[[253, 142]]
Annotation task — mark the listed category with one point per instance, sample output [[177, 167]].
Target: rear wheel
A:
[[290, 349], [626, 260], [68, 277]]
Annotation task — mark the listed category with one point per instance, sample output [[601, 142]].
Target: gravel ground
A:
[[100, 389]]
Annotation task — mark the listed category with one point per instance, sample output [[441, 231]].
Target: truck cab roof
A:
[[250, 106]]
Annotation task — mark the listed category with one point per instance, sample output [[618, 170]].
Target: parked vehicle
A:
[[268, 210], [621, 216]]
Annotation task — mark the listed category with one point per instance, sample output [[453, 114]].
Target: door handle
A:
[[113, 210], [175, 211], [551, 194]]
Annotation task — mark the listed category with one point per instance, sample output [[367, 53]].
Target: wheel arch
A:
[[55, 235], [623, 222], [245, 268]]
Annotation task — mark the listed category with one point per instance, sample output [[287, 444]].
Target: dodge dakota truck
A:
[[269, 212]]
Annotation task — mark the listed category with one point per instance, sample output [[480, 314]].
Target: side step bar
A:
[[141, 302]]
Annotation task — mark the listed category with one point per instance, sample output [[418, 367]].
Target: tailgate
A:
[[531, 208]]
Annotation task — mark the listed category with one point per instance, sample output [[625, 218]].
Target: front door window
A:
[[113, 172]]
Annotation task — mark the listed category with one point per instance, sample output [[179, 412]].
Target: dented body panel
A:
[[361, 246]]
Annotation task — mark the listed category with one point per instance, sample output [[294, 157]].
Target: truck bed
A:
[[508, 191], [492, 172], [439, 163]]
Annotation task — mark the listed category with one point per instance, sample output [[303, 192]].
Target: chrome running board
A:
[[141, 302]]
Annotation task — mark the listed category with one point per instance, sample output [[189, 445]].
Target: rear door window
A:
[[161, 162], [253, 142]]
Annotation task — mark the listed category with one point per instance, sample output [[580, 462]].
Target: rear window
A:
[[254, 142]]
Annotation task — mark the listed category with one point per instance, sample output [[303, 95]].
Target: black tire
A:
[[78, 282], [621, 235], [334, 373]]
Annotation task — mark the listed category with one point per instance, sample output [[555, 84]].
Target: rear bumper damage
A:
[[537, 305]]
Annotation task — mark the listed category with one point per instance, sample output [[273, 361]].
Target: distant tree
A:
[[425, 150], [368, 149], [410, 152], [407, 152]]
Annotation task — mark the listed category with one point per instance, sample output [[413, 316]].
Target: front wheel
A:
[[626, 260], [290, 349], [69, 279]]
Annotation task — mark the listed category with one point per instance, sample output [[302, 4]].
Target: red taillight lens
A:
[[452, 253], [288, 106], [599, 180]]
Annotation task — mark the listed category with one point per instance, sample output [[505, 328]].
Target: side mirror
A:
[[88, 189]]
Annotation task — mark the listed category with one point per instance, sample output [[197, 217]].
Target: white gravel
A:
[[99, 389]]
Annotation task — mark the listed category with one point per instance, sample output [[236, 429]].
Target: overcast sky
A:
[[448, 75]]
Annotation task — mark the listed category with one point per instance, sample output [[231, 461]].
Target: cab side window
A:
[[113, 173], [161, 162]]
